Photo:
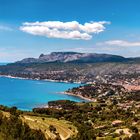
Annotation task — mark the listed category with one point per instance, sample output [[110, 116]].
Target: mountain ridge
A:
[[77, 57]]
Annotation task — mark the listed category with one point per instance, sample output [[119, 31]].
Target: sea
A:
[[3, 63], [27, 94]]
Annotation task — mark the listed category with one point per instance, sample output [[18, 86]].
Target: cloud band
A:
[[65, 30], [121, 43]]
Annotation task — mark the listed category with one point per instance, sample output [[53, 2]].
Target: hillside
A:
[[73, 72], [112, 118], [32, 126]]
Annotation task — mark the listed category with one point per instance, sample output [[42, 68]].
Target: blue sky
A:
[[112, 26]]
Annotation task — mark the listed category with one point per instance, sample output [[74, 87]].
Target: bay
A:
[[28, 94]]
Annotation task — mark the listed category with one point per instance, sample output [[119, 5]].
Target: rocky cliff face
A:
[[74, 57]]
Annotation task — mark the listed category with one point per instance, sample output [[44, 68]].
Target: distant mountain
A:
[[74, 67], [76, 57]]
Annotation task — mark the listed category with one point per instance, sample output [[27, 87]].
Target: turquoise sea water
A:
[[3, 63], [27, 94]]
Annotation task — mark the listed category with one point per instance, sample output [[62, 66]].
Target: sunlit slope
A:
[[63, 128]]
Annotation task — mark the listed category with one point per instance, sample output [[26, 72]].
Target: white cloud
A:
[[5, 28], [65, 30], [120, 43]]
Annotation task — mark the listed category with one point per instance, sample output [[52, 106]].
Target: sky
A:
[[31, 27]]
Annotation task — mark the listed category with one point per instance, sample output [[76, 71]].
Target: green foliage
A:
[[135, 137], [12, 128], [134, 129], [52, 128]]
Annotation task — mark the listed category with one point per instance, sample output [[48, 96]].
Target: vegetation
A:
[[12, 128], [112, 117], [15, 124]]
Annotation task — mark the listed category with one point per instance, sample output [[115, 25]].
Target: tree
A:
[[52, 128]]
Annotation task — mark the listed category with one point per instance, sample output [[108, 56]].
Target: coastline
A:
[[71, 94], [82, 97], [48, 80]]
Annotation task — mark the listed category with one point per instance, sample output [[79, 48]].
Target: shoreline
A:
[[82, 97], [47, 80], [71, 94]]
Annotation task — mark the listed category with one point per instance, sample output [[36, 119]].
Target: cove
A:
[[28, 94]]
